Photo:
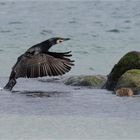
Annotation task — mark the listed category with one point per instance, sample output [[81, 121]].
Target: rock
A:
[[130, 79], [96, 81], [129, 61], [124, 92]]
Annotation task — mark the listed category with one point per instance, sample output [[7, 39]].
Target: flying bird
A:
[[38, 61]]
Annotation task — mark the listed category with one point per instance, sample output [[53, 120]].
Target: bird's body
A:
[[38, 61], [42, 47]]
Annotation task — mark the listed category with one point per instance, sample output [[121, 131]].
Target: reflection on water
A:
[[41, 94], [15, 22]]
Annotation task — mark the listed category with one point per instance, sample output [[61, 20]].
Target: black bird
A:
[[38, 61]]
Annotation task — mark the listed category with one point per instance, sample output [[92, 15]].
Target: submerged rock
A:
[[130, 79], [129, 61], [96, 81], [124, 92]]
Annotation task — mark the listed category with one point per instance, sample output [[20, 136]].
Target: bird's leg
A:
[[11, 82]]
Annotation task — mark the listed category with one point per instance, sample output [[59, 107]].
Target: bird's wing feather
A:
[[42, 65]]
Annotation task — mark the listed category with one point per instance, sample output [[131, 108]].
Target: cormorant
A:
[[38, 61]]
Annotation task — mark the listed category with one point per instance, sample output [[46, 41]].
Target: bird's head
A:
[[57, 40]]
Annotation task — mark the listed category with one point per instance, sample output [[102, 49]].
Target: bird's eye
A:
[[59, 41]]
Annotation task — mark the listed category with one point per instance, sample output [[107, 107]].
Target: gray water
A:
[[48, 109], [100, 32]]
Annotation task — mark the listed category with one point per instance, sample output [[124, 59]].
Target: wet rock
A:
[[96, 81], [124, 92], [130, 79], [129, 61]]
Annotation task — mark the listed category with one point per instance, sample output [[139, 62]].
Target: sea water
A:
[[101, 32]]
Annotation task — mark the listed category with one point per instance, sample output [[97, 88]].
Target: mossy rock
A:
[[96, 81], [130, 79], [129, 61]]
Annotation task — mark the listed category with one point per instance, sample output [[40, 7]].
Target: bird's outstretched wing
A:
[[40, 65]]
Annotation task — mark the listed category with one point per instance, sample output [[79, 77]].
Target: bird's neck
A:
[[46, 45]]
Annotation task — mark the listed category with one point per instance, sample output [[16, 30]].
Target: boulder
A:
[[124, 92], [95, 81], [129, 61], [130, 79]]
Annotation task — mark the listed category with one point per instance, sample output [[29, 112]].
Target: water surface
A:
[[100, 32]]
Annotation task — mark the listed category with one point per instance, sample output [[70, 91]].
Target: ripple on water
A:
[[127, 27], [5, 31], [72, 22], [98, 23], [15, 22], [127, 21], [81, 52], [114, 31], [94, 35], [2, 3], [91, 68], [98, 49], [46, 32]]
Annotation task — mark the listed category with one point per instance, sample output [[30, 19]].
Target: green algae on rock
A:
[[129, 61], [130, 79], [96, 81]]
